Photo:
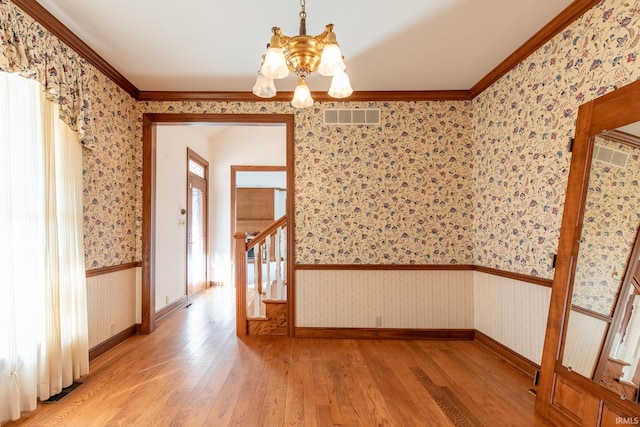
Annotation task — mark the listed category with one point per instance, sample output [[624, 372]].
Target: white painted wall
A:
[[171, 197], [112, 305], [512, 312], [222, 147], [585, 336], [240, 146], [402, 299]]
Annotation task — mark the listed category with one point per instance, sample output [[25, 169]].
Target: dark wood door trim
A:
[[192, 179], [149, 124]]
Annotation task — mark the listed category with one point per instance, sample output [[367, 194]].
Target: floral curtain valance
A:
[[31, 50]]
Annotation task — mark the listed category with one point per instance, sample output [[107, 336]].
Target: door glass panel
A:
[[196, 168], [196, 240]]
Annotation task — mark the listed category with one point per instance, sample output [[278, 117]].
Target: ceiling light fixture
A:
[[302, 55]]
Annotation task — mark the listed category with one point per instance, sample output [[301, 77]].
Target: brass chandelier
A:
[[302, 55]]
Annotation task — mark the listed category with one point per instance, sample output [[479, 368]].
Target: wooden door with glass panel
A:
[[197, 219]]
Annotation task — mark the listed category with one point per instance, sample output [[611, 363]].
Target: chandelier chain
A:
[[303, 19], [303, 13]]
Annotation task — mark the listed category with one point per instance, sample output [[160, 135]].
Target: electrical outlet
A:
[[166, 299], [112, 329], [378, 321]]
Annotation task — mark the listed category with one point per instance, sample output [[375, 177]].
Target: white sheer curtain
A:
[[43, 314]]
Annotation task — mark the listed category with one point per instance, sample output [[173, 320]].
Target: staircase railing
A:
[[269, 248]]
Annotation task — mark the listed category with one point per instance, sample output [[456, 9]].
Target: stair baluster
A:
[[273, 319]]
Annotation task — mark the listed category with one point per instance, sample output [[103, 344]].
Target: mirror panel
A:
[[621, 369], [610, 226]]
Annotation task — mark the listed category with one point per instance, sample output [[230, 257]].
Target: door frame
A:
[[192, 155], [150, 121], [232, 215]]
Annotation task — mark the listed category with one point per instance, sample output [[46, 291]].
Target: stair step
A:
[[277, 312], [266, 327], [280, 330]]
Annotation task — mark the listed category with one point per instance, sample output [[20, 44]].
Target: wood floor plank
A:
[[249, 407], [344, 384], [294, 414], [194, 371], [272, 413], [224, 404], [328, 405], [398, 379], [466, 370], [373, 397], [207, 390]]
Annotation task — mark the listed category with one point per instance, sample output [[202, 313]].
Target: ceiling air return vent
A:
[[609, 156], [352, 116]]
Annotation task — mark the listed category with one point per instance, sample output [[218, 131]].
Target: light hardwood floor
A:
[[193, 371]]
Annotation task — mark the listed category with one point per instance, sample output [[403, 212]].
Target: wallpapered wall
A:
[[399, 192], [112, 179], [436, 182], [522, 127]]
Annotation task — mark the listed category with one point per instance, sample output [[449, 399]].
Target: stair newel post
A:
[[240, 270]]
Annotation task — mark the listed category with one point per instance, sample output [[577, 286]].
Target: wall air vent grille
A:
[[352, 116], [609, 156]]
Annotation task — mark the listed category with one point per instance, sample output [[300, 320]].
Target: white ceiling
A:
[[215, 45], [273, 179]]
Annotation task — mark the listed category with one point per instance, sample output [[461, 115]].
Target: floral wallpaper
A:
[[112, 179], [30, 50], [610, 226], [523, 124], [445, 182], [399, 192]]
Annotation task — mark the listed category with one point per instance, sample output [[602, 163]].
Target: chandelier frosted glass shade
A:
[[331, 62], [340, 86], [302, 96], [303, 55], [275, 64], [264, 87]]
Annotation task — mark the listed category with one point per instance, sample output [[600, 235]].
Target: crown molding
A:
[[444, 95], [622, 137], [58, 29], [571, 13], [565, 18]]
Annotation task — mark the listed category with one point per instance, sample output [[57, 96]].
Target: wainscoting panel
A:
[[395, 298], [111, 304], [585, 335], [512, 312]]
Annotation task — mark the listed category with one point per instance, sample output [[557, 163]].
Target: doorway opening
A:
[[149, 211], [251, 186]]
